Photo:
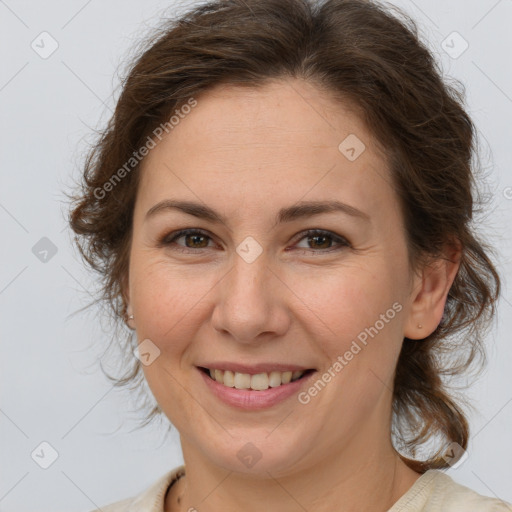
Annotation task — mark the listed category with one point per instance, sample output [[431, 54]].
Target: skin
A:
[[246, 153]]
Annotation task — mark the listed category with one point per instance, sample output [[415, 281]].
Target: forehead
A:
[[286, 139]]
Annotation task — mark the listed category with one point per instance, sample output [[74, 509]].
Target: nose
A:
[[251, 304]]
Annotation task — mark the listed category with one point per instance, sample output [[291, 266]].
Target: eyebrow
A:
[[288, 214]]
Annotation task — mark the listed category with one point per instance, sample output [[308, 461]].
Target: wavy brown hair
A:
[[371, 57]]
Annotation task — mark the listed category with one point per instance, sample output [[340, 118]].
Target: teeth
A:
[[286, 377], [242, 380], [274, 379], [257, 382], [296, 374], [229, 379]]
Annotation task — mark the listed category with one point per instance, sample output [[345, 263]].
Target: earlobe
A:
[[430, 294], [129, 318], [125, 292]]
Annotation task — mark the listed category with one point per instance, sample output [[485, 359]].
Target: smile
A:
[[255, 382]]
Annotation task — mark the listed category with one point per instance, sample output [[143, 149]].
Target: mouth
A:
[[257, 381]]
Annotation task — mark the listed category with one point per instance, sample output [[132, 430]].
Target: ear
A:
[[430, 291], [125, 293]]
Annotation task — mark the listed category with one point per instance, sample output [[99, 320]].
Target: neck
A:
[[361, 476]]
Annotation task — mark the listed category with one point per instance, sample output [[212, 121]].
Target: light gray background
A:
[[51, 387]]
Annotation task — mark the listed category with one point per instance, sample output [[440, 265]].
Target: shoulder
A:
[[451, 495], [149, 500], [435, 491]]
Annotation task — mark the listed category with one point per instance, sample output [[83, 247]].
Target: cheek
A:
[[357, 324], [341, 303], [171, 303], [360, 318]]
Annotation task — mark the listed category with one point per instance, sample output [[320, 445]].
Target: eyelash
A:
[[170, 239]]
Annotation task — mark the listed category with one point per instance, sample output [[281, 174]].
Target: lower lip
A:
[[250, 399]]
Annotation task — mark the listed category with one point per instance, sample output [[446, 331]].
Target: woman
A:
[[280, 210]]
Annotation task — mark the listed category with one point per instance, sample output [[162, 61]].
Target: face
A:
[[270, 279]]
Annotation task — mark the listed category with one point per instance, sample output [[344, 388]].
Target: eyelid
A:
[[341, 241], [171, 237]]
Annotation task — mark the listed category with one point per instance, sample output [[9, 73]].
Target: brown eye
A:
[[193, 239], [197, 241], [322, 241], [318, 241]]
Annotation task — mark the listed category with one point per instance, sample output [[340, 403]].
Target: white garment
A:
[[433, 491]]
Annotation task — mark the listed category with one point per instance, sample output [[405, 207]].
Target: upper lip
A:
[[253, 369]]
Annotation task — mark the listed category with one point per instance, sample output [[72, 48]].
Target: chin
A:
[[256, 453]]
